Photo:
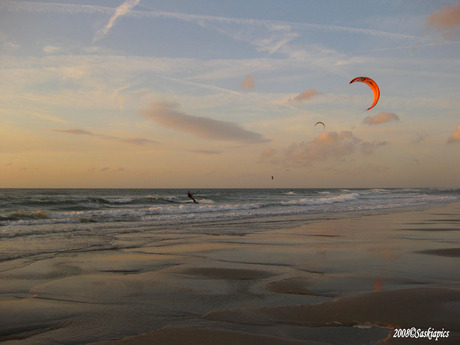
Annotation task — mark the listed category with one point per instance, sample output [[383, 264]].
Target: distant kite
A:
[[324, 126], [373, 85]]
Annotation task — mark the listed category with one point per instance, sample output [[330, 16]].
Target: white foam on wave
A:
[[206, 201], [119, 200], [378, 190], [246, 205], [199, 208], [324, 193], [322, 200]]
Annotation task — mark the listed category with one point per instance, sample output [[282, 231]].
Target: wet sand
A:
[[351, 280]]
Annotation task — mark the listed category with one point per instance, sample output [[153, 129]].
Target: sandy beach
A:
[[347, 280]]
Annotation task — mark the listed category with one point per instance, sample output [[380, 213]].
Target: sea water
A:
[[36, 221]]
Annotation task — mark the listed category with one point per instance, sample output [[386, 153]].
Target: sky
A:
[[226, 94]]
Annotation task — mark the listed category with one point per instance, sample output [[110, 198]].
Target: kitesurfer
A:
[[190, 195]]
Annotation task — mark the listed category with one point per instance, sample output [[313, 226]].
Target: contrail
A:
[[120, 11], [125, 8], [207, 86]]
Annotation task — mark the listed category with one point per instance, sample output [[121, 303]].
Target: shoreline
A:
[[329, 281]]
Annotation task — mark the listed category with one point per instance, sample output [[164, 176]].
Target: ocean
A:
[[36, 221]]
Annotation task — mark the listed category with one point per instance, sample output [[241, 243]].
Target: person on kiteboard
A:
[[190, 195]]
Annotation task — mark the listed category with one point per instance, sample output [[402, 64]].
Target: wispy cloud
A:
[[446, 20], [273, 25], [133, 141], [266, 154], [47, 117], [373, 168], [419, 138], [454, 137], [201, 85], [206, 152], [120, 11], [368, 148], [9, 46], [51, 49], [278, 39], [380, 118], [166, 114], [248, 83], [106, 169], [75, 131], [53, 7], [305, 96]]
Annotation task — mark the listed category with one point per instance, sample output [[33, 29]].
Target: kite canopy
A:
[[373, 85], [319, 122]]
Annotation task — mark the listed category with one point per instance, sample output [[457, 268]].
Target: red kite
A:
[[373, 85]]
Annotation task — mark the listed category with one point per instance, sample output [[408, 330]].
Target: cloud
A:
[[202, 85], [51, 49], [248, 83], [272, 25], [167, 115], [377, 168], [419, 138], [380, 118], [120, 11], [329, 145], [106, 169], [206, 152], [195, 18], [9, 46], [50, 7], [280, 36], [446, 20], [75, 131], [134, 141], [266, 154], [48, 117], [368, 148], [454, 137], [305, 96]]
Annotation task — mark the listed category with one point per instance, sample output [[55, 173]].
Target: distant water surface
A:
[[33, 221]]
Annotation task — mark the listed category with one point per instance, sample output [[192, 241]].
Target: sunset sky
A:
[[196, 94]]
